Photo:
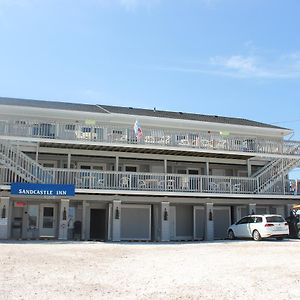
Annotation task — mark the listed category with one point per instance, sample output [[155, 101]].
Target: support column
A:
[[63, 219], [37, 152], [117, 164], [116, 221], [252, 208], [209, 221], [249, 168], [207, 168], [85, 225], [69, 160], [165, 166], [165, 222], [4, 213]]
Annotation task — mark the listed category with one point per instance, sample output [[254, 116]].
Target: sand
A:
[[204, 270]]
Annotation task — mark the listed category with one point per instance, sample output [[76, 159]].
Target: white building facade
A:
[[97, 172]]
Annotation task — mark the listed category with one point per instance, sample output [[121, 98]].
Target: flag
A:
[[138, 129]]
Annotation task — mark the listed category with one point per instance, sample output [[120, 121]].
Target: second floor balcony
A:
[[101, 181], [152, 137]]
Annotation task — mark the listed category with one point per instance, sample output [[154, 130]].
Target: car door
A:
[[241, 227], [255, 224], [250, 226]]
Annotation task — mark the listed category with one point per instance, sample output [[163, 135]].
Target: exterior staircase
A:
[[23, 167], [273, 173]]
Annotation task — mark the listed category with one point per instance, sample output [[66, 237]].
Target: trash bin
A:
[[17, 228]]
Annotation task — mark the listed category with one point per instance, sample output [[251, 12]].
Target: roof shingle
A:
[[134, 111]]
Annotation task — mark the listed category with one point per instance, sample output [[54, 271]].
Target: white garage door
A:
[[136, 222], [221, 222]]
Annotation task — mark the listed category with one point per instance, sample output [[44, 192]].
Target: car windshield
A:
[[275, 219]]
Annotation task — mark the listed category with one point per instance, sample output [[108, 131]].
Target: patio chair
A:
[[213, 187], [184, 183], [142, 184], [124, 182]]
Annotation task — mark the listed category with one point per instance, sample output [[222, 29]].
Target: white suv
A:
[[259, 227]]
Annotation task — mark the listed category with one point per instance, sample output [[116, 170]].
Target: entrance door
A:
[[98, 224], [199, 223], [48, 220]]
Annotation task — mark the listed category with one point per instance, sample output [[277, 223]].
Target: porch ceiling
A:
[[160, 151]]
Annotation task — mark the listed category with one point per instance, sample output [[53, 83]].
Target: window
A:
[[251, 220], [120, 132], [257, 220], [44, 130], [70, 127], [180, 137], [20, 122], [275, 219], [48, 217], [86, 129], [32, 216], [193, 171], [243, 221], [131, 168]]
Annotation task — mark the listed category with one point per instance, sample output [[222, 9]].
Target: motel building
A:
[[98, 172]]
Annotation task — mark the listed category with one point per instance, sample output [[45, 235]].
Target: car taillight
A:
[[269, 225]]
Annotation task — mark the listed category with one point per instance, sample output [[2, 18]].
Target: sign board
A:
[[3, 221], [20, 204], [38, 189], [90, 122]]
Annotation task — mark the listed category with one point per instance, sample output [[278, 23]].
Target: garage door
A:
[[261, 210], [199, 222], [221, 222], [184, 222], [136, 222]]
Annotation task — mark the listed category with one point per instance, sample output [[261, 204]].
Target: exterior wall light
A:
[[3, 215], [210, 215], [117, 213], [64, 214], [166, 215]]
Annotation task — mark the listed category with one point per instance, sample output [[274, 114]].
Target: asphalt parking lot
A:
[[205, 270]]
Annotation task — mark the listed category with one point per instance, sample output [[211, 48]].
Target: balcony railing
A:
[[107, 133], [127, 181]]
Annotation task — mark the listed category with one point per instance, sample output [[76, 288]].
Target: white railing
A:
[[99, 180], [114, 134]]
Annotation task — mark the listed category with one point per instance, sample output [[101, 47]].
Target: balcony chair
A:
[[142, 184], [236, 187], [184, 183], [214, 187], [124, 182]]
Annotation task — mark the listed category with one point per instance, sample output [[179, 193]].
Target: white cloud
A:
[[251, 66], [282, 66], [129, 5], [236, 62]]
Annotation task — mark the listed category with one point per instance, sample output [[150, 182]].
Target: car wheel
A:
[[256, 235], [231, 235]]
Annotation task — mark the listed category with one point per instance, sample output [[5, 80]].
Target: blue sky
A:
[[225, 57]]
